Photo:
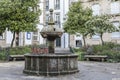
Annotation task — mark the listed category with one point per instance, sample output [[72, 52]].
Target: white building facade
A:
[[60, 8], [109, 7]]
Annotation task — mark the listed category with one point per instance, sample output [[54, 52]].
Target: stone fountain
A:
[[51, 63]]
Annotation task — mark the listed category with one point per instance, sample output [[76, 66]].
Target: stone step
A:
[[62, 50]]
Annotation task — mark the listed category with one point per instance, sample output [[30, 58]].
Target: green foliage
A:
[[2, 54], [113, 56], [76, 49], [19, 15], [80, 55], [110, 49], [77, 17], [14, 51], [97, 49], [107, 46], [19, 50]]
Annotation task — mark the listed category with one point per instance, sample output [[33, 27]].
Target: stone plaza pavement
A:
[[88, 71]]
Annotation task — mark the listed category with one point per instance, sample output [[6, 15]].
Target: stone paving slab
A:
[[88, 71]]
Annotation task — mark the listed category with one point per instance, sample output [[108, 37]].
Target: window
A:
[[115, 8], [28, 35], [57, 4], [47, 5], [78, 43], [58, 42], [47, 18], [72, 1], [2, 36], [35, 36], [96, 36], [116, 34], [57, 19], [96, 9]]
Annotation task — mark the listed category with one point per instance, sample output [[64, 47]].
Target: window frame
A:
[[35, 35], [57, 19], [115, 35], [113, 9], [78, 43], [96, 36], [2, 37], [96, 11], [47, 5], [46, 19], [56, 4]]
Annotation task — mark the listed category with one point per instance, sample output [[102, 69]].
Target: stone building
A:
[[99, 7], [109, 7]]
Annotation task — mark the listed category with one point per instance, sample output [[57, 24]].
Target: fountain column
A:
[[51, 48]]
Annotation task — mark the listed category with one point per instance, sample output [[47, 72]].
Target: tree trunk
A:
[[13, 39], [17, 38], [23, 38], [84, 41], [101, 35]]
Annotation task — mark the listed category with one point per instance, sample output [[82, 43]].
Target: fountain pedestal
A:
[[51, 63]]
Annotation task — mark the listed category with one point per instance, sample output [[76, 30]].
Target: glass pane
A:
[[57, 4], [115, 8], [35, 37], [58, 42], [96, 9], [35, 33], [78, 43]]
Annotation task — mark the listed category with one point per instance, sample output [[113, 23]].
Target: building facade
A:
[[61, 7], [99, 7], [109, 7]]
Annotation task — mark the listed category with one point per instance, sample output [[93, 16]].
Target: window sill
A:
[[2, 39], [115, 14], [116, 38]]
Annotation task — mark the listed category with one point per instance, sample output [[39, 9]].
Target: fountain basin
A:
[[50, 64]]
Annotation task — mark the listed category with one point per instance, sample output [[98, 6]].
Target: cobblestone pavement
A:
[[88, 71]]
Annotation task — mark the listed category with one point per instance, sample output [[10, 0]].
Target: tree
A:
[[19, 15], [100, 25], [77, 17], [2, 27]]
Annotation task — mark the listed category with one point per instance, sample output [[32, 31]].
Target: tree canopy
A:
[[19, 15], [77, 17], [100, 25]]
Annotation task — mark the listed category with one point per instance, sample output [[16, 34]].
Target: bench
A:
[[15, 57], [96, 57]]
